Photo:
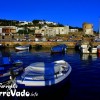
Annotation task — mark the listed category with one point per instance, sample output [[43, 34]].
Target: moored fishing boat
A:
[[61, 48], [86, 47], [42, 74], [23, 47]]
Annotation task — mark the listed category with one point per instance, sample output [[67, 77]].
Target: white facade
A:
[[62, 30], [24, 23], [50, 32], [21, 28], [41, 22], [47, 22], [73, 30], [53, 31]]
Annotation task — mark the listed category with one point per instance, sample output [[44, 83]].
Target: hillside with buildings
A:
[[42, 30], [37, 25]]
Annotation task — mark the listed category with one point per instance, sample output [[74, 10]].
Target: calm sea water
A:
[[84, 83]]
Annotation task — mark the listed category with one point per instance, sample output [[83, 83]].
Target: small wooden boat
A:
[[42, 74], [22, 47], [59, 49]]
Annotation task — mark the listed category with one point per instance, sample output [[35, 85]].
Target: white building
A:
[[24, 22], [73, 30], [47, 22], [52, 31], [62, 30], [19, 28], [12, 29]]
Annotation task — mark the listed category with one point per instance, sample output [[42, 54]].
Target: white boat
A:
[[22, 48], [86, 47], [44, 74]]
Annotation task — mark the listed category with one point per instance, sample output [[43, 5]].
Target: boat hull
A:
[[57, 52], [58, 89], [59, 49], [26, 83], [85, 50], [44, 74], [21, 48]]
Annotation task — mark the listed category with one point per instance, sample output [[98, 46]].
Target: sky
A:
[[66, 12]]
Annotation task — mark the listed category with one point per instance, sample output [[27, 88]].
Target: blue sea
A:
[[84, 80]]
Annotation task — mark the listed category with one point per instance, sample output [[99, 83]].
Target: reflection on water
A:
[[98, 55], [70, 51], [57, 92], [88, 56]]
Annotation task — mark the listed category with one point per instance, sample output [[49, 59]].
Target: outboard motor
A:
[[16, 64]]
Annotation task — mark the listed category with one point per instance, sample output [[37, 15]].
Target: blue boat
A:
[[40, 74], [7, 67], [59, 49]]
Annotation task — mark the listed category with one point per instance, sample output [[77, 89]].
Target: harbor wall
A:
[[44, 44]]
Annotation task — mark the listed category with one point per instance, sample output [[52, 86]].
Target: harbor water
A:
[[84, 80]]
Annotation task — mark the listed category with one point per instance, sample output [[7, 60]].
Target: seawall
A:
[[44, 44]]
